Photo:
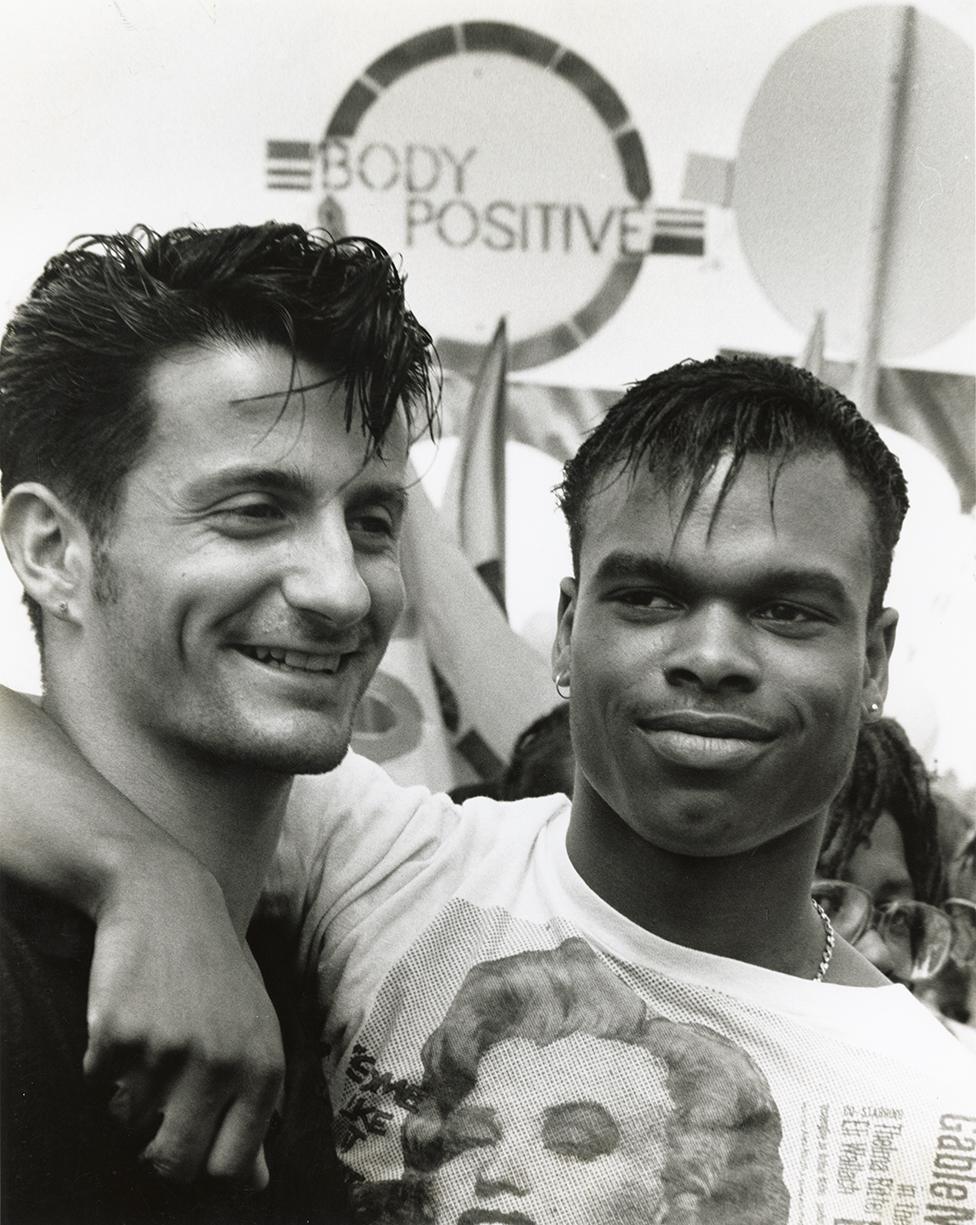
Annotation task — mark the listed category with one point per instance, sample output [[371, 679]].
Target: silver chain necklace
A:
[[829, 940]]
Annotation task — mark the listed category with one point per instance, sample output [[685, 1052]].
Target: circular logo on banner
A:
[[389, 720], [507, 172]]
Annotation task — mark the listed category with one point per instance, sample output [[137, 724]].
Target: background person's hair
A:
[[74, 414], [542, 759], [889, 776], [680, 422], [722, 1141]]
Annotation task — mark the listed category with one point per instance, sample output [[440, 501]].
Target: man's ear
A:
[[47, 546], [877, 653], [564, 631]]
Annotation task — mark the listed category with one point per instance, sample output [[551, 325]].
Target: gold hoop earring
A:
[[561, 680]]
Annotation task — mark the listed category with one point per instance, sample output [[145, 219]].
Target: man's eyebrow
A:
[[893, 884], [623, 565], [813, 578], [291, 481], [248, 476], [394, 492]]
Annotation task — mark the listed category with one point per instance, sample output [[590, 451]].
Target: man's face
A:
[[879, 866], [572, 1131], [251, 580], [718, 670]]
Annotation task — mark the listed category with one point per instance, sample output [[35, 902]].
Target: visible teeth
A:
[[300, 660]]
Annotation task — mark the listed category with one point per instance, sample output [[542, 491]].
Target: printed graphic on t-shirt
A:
[[508, 1071], [550, 1092]]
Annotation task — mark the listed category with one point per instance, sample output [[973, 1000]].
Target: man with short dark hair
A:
[[203, 437], [722, 639]]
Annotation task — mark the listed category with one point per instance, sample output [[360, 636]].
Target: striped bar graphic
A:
[[290, 164], [678, 231]]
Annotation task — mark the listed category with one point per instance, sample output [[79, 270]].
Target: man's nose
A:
[[323, 574], [712, 648]]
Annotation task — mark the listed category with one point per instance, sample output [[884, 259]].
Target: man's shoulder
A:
[[355, 780], [359, 790]]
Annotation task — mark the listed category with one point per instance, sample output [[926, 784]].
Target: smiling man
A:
[[722, 639], [203, 445]]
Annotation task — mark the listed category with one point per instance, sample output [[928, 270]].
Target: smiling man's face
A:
[[251, 579], [719, 665]]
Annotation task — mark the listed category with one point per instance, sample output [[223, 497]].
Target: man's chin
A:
[[286, 753], [305, 754]]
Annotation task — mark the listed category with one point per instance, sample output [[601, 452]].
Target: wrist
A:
[[143, 874]]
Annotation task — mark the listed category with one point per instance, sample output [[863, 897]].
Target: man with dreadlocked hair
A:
[[885, 881], [722, 640], [541, 763], [888, 778]]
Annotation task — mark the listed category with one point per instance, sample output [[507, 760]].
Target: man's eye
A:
[[259, 510], [641, 597], [252, 511], [790, 614], [374, 522]]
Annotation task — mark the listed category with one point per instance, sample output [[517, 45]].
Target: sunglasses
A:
[[920, 939]]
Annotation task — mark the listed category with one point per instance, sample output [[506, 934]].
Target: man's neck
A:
[[753, 906], [227, 816]]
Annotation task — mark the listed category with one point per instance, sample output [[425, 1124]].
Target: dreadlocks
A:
[[887, 776]]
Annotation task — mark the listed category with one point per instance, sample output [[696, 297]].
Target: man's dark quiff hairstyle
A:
[[73, 410], [889, 776], [683, 420]]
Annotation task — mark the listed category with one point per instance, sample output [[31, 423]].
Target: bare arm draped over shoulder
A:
[[159, 995]]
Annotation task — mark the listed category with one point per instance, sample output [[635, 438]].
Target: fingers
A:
[[194, 1107], [183, 1040], [135, 1106], [236, 1151], [214, 1123], [190, 1114], [128, 1081]]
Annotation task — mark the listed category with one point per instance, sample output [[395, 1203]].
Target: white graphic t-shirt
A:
[[503, 1046]]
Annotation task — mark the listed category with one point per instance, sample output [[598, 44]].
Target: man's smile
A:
[[709, 724], [705, 740], [297, 661]]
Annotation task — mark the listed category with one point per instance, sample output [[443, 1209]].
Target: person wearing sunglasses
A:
[[883, 878]]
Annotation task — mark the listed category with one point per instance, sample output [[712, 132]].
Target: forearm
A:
[[177, 1015], [62, 826]]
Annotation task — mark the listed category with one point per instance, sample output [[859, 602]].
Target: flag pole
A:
[[812, 357], [865, 386], [474, 500]]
